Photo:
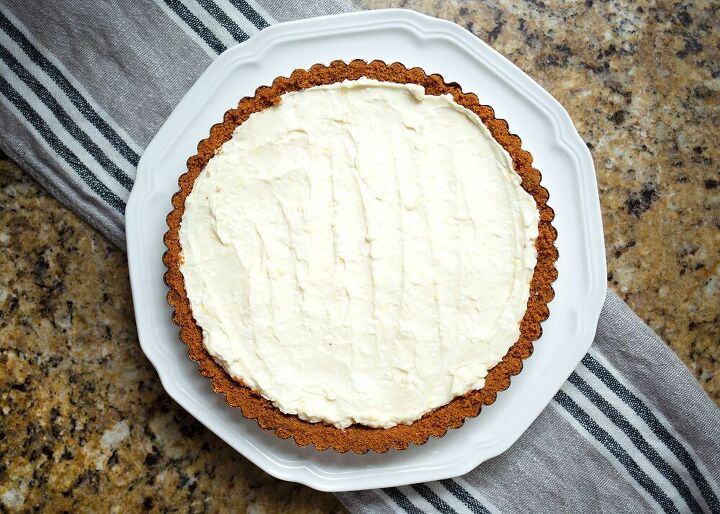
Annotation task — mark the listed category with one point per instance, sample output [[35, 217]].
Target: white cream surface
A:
[[360, 253]]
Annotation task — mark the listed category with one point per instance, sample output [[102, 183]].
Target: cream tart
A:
[[360, 256]]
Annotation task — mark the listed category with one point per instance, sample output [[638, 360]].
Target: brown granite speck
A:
[[73, 372]]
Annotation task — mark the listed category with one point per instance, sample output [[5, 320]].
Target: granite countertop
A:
[[86, 425]]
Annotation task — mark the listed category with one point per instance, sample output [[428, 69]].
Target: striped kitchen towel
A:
[[85, 85]]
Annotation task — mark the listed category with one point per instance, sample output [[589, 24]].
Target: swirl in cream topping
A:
[[360, 253]]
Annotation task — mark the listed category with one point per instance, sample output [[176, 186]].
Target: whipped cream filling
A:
[[360, 253]]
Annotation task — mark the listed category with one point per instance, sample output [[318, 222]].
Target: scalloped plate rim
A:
[[176, 380]]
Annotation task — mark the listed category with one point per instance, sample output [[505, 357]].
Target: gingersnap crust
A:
[[358, 438]]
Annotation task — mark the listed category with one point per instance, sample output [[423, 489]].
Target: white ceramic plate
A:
[[438, 47]]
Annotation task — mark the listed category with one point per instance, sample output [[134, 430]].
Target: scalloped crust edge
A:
[[356, 438]]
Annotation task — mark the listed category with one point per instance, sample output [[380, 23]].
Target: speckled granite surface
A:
[[85, 424]]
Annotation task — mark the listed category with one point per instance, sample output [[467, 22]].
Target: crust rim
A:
[[357, 438]]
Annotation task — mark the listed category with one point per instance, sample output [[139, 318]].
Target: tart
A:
[[360, 256]]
